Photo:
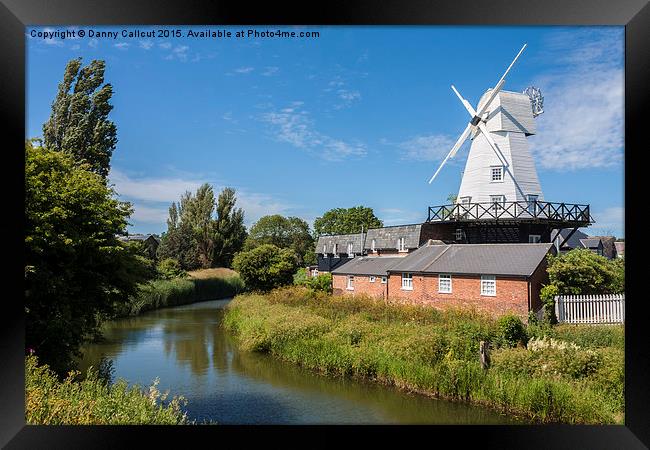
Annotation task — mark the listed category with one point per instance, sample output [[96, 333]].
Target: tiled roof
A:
[[386, 237], [574, 240], [590, 242], [493, 259], [367, 265], [342, 241]]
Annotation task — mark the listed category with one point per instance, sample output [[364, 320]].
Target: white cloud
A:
[[582, 126], [396, 216], [122, 45], [270, 71], [244, 70], [165, 45], [93, 43], [152, 196], [608, 221], [146, 45], [433, 147], [75, 47], [294, 126]]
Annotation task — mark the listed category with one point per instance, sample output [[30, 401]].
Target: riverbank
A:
[[200, 285], [575, 378], [93, 401]]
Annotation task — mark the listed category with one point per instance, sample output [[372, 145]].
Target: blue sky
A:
[[357, 116]]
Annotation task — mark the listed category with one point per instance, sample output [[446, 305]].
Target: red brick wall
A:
[[362, 285], [511, 293], [539, 278]]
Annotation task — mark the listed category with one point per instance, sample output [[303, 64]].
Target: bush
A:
[[92, 401], [547, 294], [170, 268], [582, 272], [322, 282], [266, 267], [300, 278], [511, 331]]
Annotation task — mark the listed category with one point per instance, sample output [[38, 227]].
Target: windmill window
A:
[[407, 281], [534, 238], [496, 173], [460, 234], [532, 203], [465, 200]]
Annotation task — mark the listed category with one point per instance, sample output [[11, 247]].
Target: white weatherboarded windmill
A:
[[500, 167]]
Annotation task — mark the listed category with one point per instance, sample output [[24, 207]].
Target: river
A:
[[195, 357]]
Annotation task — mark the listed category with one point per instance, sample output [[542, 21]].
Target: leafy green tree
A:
[[581, 271], [283, 232], [196, 212], [180, 243], [346, 220], [76, 270], [79, 122], [228, 229], [169, 268], [266, 267]]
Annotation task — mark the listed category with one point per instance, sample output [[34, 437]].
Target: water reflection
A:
[[196, 358]]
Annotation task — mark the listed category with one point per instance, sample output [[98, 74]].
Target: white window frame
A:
[[492, 173], [325, 249], [372, 278], [384, 280], [530, 200], [350, 248], [401, 244], [315, 273], [335, 250], [486, 281], [444, 277], [459, 234], [407, 281], [498, 201], [534, 238], [350, 284], [466, 200], [372, 245]]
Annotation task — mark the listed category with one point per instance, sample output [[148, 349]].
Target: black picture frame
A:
[[15, 15]]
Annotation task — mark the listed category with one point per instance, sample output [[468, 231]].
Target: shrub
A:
[[92, 401], [511, 331], [547, 294], [300, 278], [322, 282], [581, 271], [170, 268], [266, 267]]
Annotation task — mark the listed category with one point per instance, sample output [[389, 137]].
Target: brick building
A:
[[496, 278]]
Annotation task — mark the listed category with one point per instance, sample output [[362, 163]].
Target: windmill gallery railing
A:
[[546, 211]]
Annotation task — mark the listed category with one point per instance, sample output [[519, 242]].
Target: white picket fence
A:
[[590, 308]]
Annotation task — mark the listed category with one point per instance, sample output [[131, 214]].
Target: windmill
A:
[[499, 164]]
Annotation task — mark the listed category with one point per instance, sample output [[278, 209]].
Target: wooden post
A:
[[485, 354]]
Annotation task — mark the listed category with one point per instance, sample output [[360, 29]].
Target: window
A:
[[532, 204], [460, 234], [335, 250], [325, 249], [496, 173], [488, 285], [401, 244], [465, 200], [315, 274], [384, 280], [444, 284], [350, 247], [350, 283], [372, 279], [534, 238], [407, 281], [498, 201], [372, 245]]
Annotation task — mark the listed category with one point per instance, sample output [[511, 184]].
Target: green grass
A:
[[92, 401], [180, 291], [436, 353]]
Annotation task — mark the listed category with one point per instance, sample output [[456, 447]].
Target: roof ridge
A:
[[437, 257]]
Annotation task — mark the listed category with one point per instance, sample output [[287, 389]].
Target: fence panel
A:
[[590, 308]]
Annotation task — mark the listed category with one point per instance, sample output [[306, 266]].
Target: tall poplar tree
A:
[[229, 230], [79, 122]]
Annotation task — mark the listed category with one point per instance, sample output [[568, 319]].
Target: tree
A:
[[582, 272], [76, 270], [283, 232], [79, 122], [451, 198], [196, 212], [344, 221], [266, 267], [228, 229], [180, 243]]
